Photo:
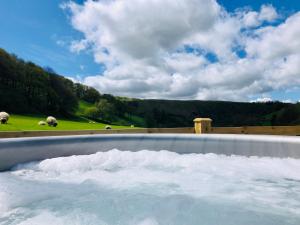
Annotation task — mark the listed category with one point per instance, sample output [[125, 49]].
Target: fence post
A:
[[202, 125]]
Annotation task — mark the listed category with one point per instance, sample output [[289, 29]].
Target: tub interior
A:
[[14, 151], [152, 188]]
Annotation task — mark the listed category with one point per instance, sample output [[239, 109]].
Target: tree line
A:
[[29, 88]]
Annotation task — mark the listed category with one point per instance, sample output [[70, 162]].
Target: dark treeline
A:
[[173, 113], [26, 88]]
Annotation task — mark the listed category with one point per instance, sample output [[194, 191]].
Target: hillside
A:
[[26, 88], [172, 113], [30, 122]]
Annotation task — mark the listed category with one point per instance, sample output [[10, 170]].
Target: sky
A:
[[237, 50]]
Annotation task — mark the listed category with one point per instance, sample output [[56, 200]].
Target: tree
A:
[[88, 94], [92, 112], [106, 110], [28, 88]]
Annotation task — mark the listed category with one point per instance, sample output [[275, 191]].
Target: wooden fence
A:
[[201, 126], [271, 130], [13, 134]]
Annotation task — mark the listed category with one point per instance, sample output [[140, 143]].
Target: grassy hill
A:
[[30, 122], [82, 107], [78, 121]]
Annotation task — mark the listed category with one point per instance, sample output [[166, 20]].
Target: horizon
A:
[[225, 50]]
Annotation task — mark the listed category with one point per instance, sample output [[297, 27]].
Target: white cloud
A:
[[250, 18], [268, 13], [183, 62], [78, 46], [288, 101], [140, 28], [263, 100], [276, 42], [187, 49], [76, 79]]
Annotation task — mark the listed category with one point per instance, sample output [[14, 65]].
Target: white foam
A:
[[263, 186]]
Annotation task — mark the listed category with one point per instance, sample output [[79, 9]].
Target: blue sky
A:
[[33, 30], [286, 5], [40, 31]]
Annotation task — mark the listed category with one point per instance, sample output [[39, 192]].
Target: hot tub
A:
[[150, 179]]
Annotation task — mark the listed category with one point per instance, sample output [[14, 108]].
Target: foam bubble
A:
[[148, 221], [148, 187]]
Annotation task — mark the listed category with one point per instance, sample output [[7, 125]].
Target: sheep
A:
[[42, 123], [52, 122], [4, 117], [107, 127]]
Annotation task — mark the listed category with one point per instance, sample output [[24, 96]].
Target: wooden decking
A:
[[270, 130]]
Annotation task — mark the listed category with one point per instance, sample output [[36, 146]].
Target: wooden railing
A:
[[13, 134], [201, 126], [271, 130]]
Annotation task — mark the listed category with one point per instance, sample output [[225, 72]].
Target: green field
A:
[[26, 123], [82, 106]]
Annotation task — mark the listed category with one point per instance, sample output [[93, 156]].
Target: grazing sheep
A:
[[107, 127], [52, 122], [42, 123], [4, 117]]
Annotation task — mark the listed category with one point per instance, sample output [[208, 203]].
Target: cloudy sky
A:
[[173, 49]]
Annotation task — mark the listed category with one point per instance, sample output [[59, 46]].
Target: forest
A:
[[26, 88]]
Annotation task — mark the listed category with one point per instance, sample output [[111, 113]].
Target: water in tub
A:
[[152, 188]]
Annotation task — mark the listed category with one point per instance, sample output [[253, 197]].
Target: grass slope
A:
[[82, 107], [26, 123], [126, 120]]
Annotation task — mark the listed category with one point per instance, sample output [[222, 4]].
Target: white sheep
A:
[[4, 117], [107, 127], [42, 123], [51, 121]]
